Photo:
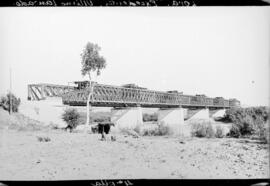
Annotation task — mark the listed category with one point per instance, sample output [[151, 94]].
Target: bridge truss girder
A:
[[113, 96], [42, 90], [116, 96]]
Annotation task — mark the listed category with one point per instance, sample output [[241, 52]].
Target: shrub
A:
[[95, 117], [264, 133], [5, 102], [198, 130], [53, 126], [130, 132], [43, 139], [162, 129], [143, 130], [101, 119], [247, 126], [150, 132], [137, 129], [71, 117], [203, 129], [234, 131], [150, 117], [247, 121], [219, 132], [210, 133]]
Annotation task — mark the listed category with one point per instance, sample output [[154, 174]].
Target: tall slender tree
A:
[[92, 62]]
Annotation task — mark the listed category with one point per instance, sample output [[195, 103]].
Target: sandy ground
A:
[[69, 156]]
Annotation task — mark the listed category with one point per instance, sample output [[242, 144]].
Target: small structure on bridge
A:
[[132, 85]]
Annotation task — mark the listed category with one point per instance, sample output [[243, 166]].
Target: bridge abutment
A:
[[127, 118], [173, 118]]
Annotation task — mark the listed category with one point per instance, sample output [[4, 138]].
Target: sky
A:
[[216, 51]]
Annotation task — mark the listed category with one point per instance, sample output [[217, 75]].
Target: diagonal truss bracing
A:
[[105, 95], [114, 96], [41, 91]]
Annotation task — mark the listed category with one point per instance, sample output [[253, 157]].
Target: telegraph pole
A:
[[10, 90]]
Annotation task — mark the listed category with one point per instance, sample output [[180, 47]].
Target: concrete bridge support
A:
[[219, 113], [201, 114], [126, 118], [173, 118]]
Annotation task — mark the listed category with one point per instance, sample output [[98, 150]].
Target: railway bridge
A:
[[127, 102]]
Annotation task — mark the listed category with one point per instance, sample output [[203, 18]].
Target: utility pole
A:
[[10, 90]]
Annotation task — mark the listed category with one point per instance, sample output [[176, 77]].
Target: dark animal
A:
[[68, 128], [104, 128]]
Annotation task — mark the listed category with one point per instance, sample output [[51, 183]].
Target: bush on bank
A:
[[150, 117], [71, 117], [10, 100], [159, 130], [252, 121], [219, 132], [202, 128]]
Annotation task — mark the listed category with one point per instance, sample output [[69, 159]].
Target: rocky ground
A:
[[30, 151]]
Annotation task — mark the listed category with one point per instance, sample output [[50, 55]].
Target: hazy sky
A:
[[216, 51]]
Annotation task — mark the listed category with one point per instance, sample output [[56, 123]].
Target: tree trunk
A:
[[88, 106]]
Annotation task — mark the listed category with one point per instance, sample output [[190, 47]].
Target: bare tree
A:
[[92, 62]]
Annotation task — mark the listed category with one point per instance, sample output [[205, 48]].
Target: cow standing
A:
[[104, 129]]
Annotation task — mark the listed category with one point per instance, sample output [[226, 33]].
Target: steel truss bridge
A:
[[117, 96], [42, 90]]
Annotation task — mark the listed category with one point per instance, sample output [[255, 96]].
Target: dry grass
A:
[[43, 139], [19, 122], [156, 130], [130, 132], [203, 128], [219, 132]]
